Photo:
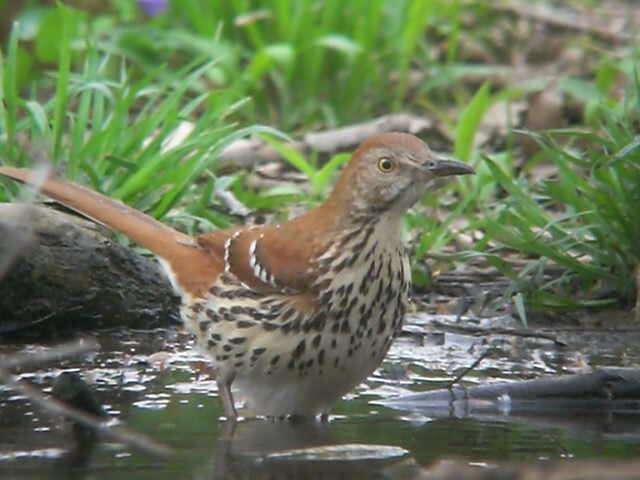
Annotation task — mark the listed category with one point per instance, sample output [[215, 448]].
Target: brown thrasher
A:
[[295, 315]]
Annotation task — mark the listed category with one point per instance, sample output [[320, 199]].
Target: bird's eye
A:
[[386, 165]]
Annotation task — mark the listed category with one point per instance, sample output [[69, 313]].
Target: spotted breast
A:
[[315, 346]]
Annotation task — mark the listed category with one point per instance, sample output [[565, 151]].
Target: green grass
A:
[[320, 176], [113, 132], [121, 86], [584, 219], [287, 57]]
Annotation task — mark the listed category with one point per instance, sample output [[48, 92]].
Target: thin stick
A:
[[515, 332], [65, 350], [117, 433], [563, 19], [248, 152], [473, 366]]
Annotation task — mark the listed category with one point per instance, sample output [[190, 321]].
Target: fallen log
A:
[[610, 389], [61, 273]]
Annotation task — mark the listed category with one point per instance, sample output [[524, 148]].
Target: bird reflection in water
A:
[[300, 449]]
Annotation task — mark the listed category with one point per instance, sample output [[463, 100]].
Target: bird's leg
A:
[[223, 456], [224, 390]]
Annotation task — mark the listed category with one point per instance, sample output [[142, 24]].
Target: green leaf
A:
[[469, 122], [9, 90], [294, 157], [518, 301], [206, 161], [39, 118], [58, 25], [324, 175], [63, 51]]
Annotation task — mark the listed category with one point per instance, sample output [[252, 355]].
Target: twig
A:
[[344, 138], [472, 367], [604, 330], [117, 433], [65, 350], [55, 407], [233, 205], [563, 19], [478, 331], [13, 326], [247, 152], [636, 308]]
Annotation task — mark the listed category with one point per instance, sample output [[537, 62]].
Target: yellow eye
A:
[[386, 165]]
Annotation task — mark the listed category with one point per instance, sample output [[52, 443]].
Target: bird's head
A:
[[390, 172]]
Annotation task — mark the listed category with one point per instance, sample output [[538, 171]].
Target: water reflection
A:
[[266, 449], [178, 406]]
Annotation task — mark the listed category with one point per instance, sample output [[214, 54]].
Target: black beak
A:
[[445, 167]]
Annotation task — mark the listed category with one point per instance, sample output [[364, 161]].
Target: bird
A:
[[293, 315]]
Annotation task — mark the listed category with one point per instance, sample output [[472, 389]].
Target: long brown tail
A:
[[193, 268]]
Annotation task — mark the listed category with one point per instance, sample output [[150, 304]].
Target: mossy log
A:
[[61, 273]]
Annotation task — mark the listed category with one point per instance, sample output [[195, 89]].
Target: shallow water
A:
[[171, 398]]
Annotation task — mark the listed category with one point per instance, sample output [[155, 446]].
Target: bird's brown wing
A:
[[193, 267], [275, 258], [266, 258]]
